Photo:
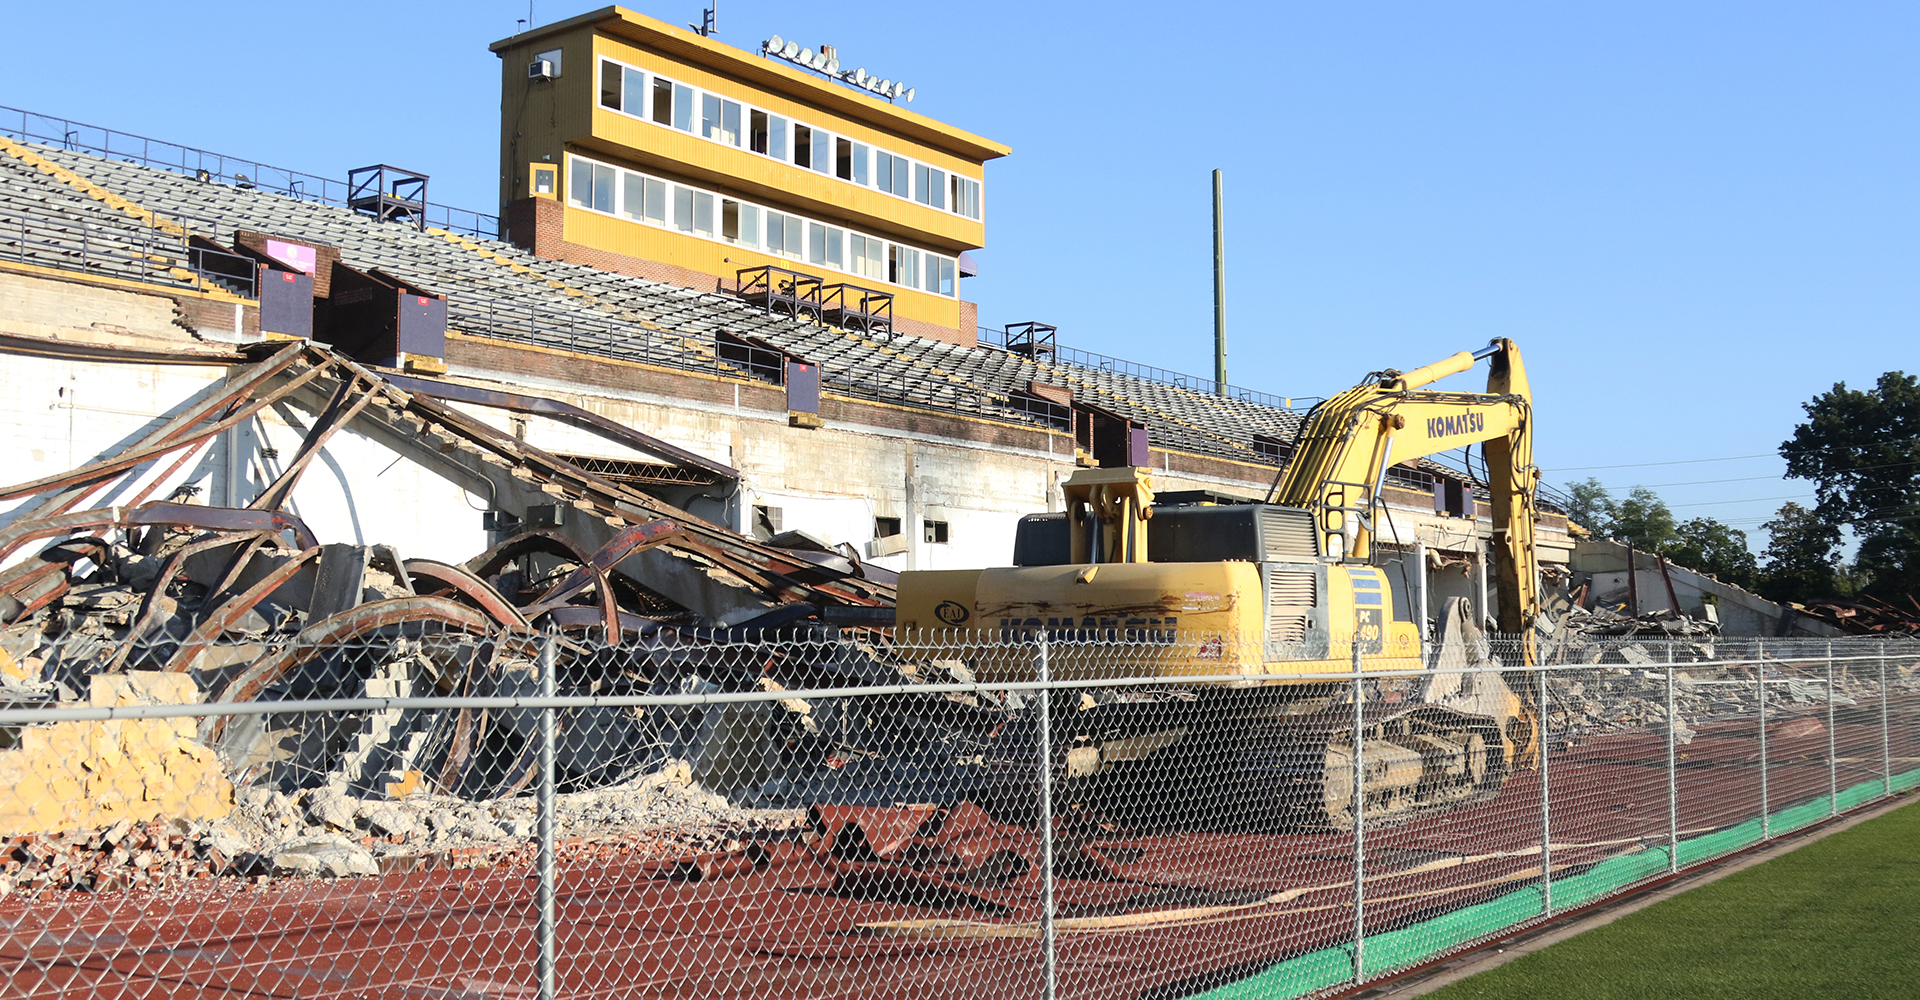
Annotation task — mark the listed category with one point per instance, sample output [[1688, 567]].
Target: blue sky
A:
[[1691, 217]]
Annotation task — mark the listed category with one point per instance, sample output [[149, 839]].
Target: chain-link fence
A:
[[425, 811]]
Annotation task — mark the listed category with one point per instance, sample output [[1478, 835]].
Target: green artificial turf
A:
[[1838, 918]]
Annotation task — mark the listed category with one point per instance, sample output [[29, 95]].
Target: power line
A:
[[1644, 465], [1697, 482], [1710, 503]]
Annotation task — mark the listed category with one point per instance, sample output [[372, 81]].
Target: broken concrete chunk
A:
[[331, 807], [394, 821], [336, 858]]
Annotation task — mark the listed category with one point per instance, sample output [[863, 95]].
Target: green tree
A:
[[1861, 449], [1591, 507], [1710, 546], [1803, 563], [1643, 521]]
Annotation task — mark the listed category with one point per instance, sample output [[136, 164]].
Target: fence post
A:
[[1546, 802], [1673, 771], [1833, 762], [548, 687], [1760, 676], [1359, 816], [1886, 731], [1048, 972]]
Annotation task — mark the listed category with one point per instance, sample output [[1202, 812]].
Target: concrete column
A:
[[1420, 586], [913, 522], [1486, 608], [234, 454]]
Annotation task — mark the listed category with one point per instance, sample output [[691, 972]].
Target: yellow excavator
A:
[[1283, 593]]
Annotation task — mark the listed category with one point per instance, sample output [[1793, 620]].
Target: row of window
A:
[[689, 109], [635, 196]]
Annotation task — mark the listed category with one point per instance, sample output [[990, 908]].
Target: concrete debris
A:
[[247, 604], [1867, 616], [1602, 621]]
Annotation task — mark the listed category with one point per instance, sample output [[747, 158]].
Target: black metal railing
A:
[[1003, 340], [130, 251], [31, 126]]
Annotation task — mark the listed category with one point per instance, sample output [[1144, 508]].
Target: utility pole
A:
[[1219, 287]]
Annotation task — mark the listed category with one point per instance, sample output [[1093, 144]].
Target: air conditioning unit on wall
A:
[[540, 69]]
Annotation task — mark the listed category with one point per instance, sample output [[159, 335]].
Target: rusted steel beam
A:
[[610, 496], [332, 633], [227, 612], [38, 587], [189, 454], [629, 540], [439, 575], [90, 475], [241, 558], [150, 605], [573, 617], [552, 543], [170, 514], [565, 411], [347, 402]]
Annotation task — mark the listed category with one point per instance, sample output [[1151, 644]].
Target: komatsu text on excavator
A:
[[1284, 592]]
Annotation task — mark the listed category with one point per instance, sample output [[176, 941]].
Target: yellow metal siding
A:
[[636, 239], [541, 114]]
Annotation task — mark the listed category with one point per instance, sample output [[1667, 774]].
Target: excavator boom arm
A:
[[1352, 439]]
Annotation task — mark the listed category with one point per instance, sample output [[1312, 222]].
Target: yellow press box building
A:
[[631, 145]]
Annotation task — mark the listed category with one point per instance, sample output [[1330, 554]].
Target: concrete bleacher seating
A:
[[496, 289], [47, 223]]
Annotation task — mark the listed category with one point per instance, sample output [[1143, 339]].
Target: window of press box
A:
[[673, 104], [935, 532], [903, 265], [591, 186], [868, 257], [784, 235], [929, 186], [802, 146], [824, 244], [890, 173], [886, 527], [823, 158], [939, 275], [965, 194], [610, 85], [720, 119]]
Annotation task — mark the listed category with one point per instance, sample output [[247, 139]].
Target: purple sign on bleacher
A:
[[295, 255]]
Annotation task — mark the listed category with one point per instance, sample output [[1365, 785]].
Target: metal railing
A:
[[129, 249], [998, 339], [214, 167], [426, 812]]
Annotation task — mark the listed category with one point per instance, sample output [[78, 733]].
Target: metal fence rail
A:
[[434, 813], [67, 134]]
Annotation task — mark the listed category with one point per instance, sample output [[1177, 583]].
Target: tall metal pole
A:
[[1219, 285], [1833, 762], [1766, 820], [1886, 731], [544, 971], [1673, 772], [1546, 801], [1047, 965], [1420, 615], [1359, 815]]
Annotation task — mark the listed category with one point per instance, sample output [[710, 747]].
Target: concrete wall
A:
[[1601, 566]]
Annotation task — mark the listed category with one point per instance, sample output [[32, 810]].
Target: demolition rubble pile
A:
[[1625, 699], [183, 603], [1868, 615]]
